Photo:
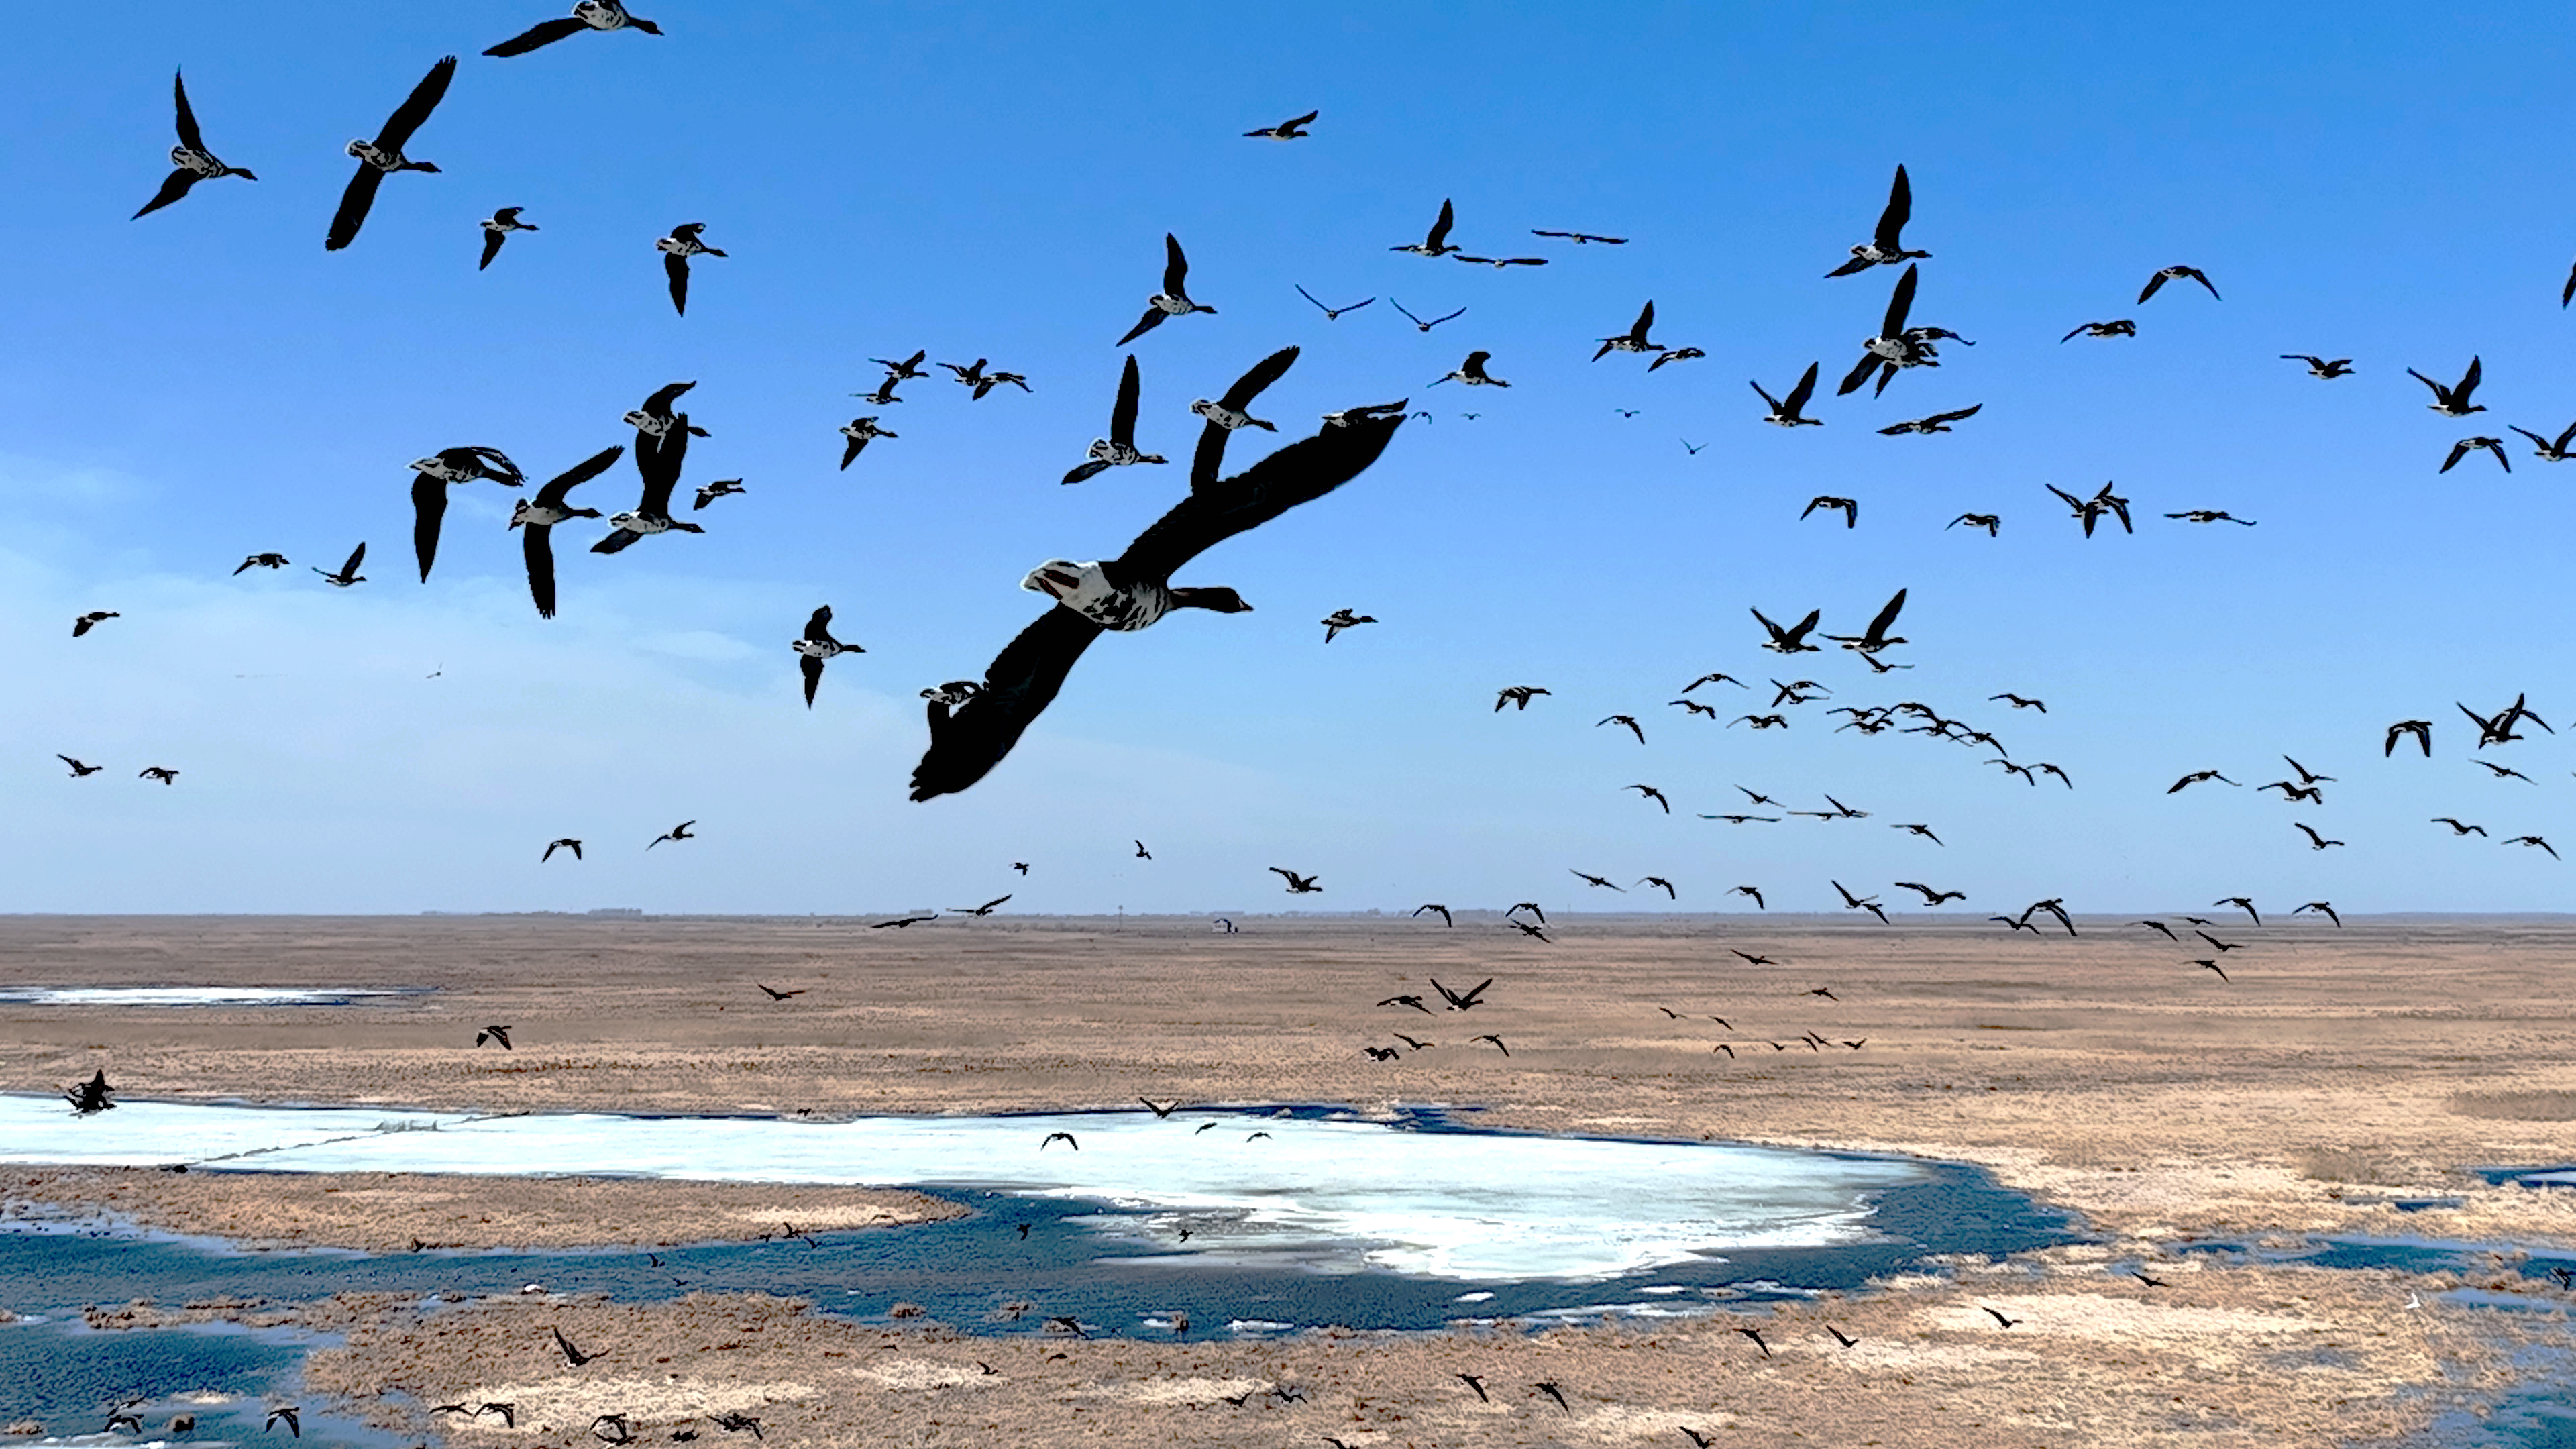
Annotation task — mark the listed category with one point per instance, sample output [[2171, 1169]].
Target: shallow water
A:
[[195, 995], [1419, 1195]]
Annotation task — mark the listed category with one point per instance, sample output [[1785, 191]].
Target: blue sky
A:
[[208, 382]]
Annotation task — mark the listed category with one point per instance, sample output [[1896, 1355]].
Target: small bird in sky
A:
[[161, 773], [2323, 908], [1886, 246], [429, 491], [721, 488], [80, 770], [1298, 885], [262, 561], [384, 155], [92, 620], [2421, 729], [657, 417], [496, 230], [1936, 423], [1931, 897], [2163, 275], [1787, 412], [2196, 777], [190, 161], [1849, 508], [2321, 367], [1340, 619], [2532, 840], [1498, 263], [1992, 523], [1676, 354], [816, 646], [1441, 911], [658, 462], [586, 15], [1174, 299], [2459, 827], [1435, 242], [1860, 903], [1649, 792], [2315, 841], [1421, 326], [857, 433], [561, 843], [2121, 328], [1119, 448], [2466, 446], [677, 832], [676, 249], [1629, 721], [538, 516], [1471, 372], [1581, 238], [348, 573], [2551, 450], [1334, 314], [1289, 130], [1517, 695], [2210, 515], [1634, 339], [2453, 401]]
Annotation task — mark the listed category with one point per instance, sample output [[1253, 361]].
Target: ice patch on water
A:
[[183, 996], [1336, 1195]]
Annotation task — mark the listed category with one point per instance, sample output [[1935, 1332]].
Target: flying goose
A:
[[2531, 840], [1875, 637], [1931, 897], [1065, 1137], [2421, 729], [2466, 446], [496, 230], [1629, 721], [1498, 263], [92, 620], [1333, 314], [2453, 402], [263, 561], [1346, 416], [540, 514], [817, 646], [1174, 299], [658, 462], [676, 249], [1596, 882], [1860, 903], [1436, 241], [1293, 129], [1785, 411], [1936, 423], [564, 843], [2120, 328], [1421, 326], [2551, 450], [2210, 515], [655, 418], [499, 1036], [1129, 593], [190, 161], [2196, 777], [1119, 448], [2323, 908], [348, 573], [1992, 523], [1788, 641], [1678, 354], [1518, 695], [2315, 841], [1886, 246], [1298, 885], [680, 831], [2163, 275], [1471, 372], [385, 154], [856, 435], [1634, 339], [987, 909], [429, 491], [2321, 367], [1891, 349], [586, 15], [1850, 508], [1340, 619], [1443, 912], [721, 488], [80, 770], [1649, 792]]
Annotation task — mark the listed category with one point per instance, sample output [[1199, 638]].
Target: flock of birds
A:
[[975, 722]]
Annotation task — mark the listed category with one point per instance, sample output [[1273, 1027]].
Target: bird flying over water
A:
[[384, 155], [586, 15], [1130, 593], [190, 161]]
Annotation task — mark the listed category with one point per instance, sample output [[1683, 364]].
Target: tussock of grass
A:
[[2517, 1106], [2351, 1164]]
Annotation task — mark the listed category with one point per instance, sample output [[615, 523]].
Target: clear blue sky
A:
[[208, 382]]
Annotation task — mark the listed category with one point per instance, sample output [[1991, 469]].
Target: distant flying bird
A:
[[2121, 328], [1661, 884], [657, 416], [1438, 909], [1695, 707], [190, 161], [565, 843], [1860, 903], [384, 154], [1132, 592], [1756, 893], [496, 230], [1850, 508], [1334, 314], [2323, 908], [1471, 372], [1581, 238], [348, 573], [2502, 772], [1518, 695], [1436, 242], [2210, 515], [1634, 339], [2163, 275], [1627, 720], [1936, 423], [92, 620], [2532, 840], [429, 491], [1597, 882], [2196, 777], [2551, 450], [658, 461], [263, 561], [2161, 927], [1065, 1137], [1886, 246], [539, 515], [1498, 263], [1875, 637], [2017, 702], [2242, 903], [857, 433], [2421, 729], [1498, 1046], [1288, 130], [1931, 897], [1785, 412], [291, 1415], [587, 15], [2459, 828], [676, 832], [79, 770], [1677, 354], [721, 488], [816, 646], [1649, 792], [676, 249], [1792, 640], [1174, 299], [156, 772], [1142, 853], [1340, 619], [2212, 966], [1998, 1315], [2321, 367], [1990, 522], [1298, 885], [900, 923], [1119, 448], [2315, 841], [1923, 830], [498, 1035], [985, 909], [1896, 346], [2453, 401], [1421, 326], [2466, 446]]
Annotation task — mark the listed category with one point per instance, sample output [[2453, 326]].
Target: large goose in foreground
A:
[[1134, 590]]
